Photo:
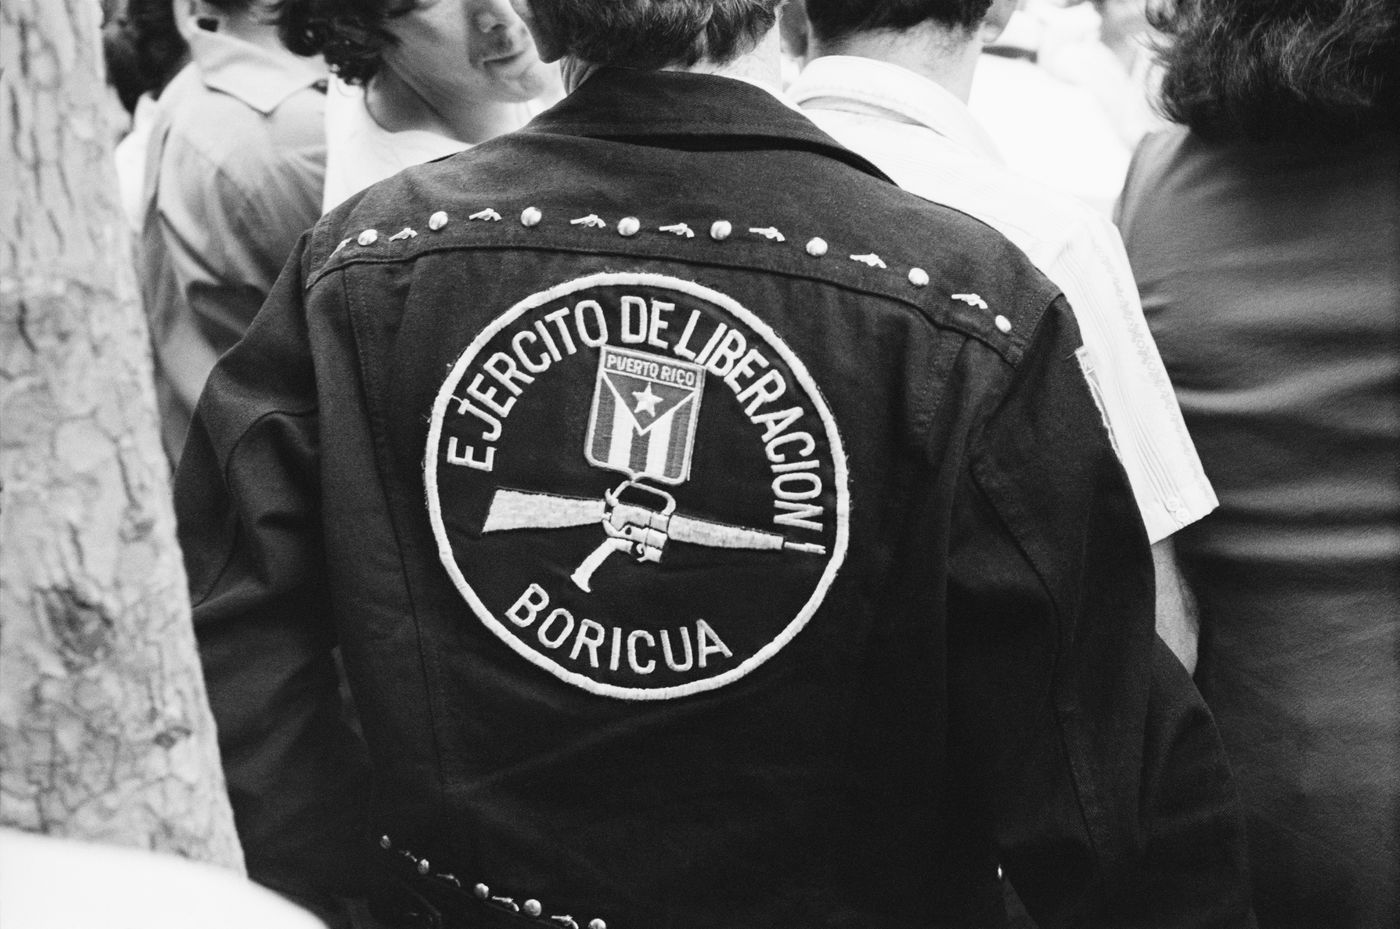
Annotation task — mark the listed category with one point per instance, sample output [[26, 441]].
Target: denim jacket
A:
[[713, 536]]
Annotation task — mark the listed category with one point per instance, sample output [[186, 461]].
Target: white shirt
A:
[[928, 142], [130, 156], [1050, 131], [128, 887], [360, 152]]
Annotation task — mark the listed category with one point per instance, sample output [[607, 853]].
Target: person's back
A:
[[890, 79], [753, 556], [233, 176], [1050, 131], [1269, 262]]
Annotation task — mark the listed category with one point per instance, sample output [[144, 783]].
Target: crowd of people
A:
[[920, 463]]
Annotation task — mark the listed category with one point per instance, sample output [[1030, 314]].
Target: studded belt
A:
[[419, 895]]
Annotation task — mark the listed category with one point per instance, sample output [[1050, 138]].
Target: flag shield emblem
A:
[[645, 409]]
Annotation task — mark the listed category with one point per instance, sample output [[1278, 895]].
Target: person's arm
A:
[[1125, 371], [1128, 379], [248, 503], [229, 227], [1178, 622], [1105, 786]]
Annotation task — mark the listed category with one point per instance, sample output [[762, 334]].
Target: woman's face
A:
[[472, 49]]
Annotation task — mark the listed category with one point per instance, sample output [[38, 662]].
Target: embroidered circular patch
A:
[[637, 485]]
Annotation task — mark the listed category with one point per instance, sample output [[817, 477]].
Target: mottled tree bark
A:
[[105, 731]]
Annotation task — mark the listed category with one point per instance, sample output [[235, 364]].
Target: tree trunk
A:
[[105, 731]]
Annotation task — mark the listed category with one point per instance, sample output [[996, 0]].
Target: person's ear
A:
[[998, 15], [547, 45]]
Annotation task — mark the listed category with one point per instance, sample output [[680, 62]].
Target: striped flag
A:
[[645, 409]]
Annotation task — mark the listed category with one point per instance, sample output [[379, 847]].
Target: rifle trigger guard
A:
[[642, 527]]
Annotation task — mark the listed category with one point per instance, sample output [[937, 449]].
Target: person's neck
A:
[[253, 26], [760, 66], [946, 57], [397, 106]]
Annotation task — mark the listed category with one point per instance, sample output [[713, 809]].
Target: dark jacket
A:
[[720, 538]]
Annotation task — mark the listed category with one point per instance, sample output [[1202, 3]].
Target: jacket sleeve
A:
[[247, 499], [1102, 779]]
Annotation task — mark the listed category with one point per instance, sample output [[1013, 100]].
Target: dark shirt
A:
[[715, 536], [1270, 276]]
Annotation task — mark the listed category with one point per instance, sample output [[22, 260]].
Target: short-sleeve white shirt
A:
[[927, 141], [360, 152]]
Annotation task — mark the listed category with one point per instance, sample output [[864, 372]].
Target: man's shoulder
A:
[[1042, 222], [1154, 157], [825, 221], [236, 142]]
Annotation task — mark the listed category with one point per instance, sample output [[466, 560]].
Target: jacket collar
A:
[[853, 84], [710, 111], [259, 77]]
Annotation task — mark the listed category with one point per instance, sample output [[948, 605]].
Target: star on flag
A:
[[646, 400]]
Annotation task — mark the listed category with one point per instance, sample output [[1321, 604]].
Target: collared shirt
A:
[[929, 143], [697, 558], [1049, 130], [360, 152], [233, 175]]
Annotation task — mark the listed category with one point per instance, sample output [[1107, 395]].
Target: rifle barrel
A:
[[518, 509]]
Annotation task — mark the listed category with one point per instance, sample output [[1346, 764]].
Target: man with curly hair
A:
[[716, 536], [1265, 232], [415, 80]]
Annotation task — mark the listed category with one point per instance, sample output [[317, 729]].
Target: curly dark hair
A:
[[836, 19], [651, 34], [1277, 69], [350, 34], [143, 49]]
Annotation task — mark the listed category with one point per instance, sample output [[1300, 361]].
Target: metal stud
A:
[[1003, 323], [532, 908], [423, 866], [720, 230], [368, 237], [918, 277], [385, 842], [437, 220], [530, 216], [628, 226], [816, 247], [597, 924], [481, 891]]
